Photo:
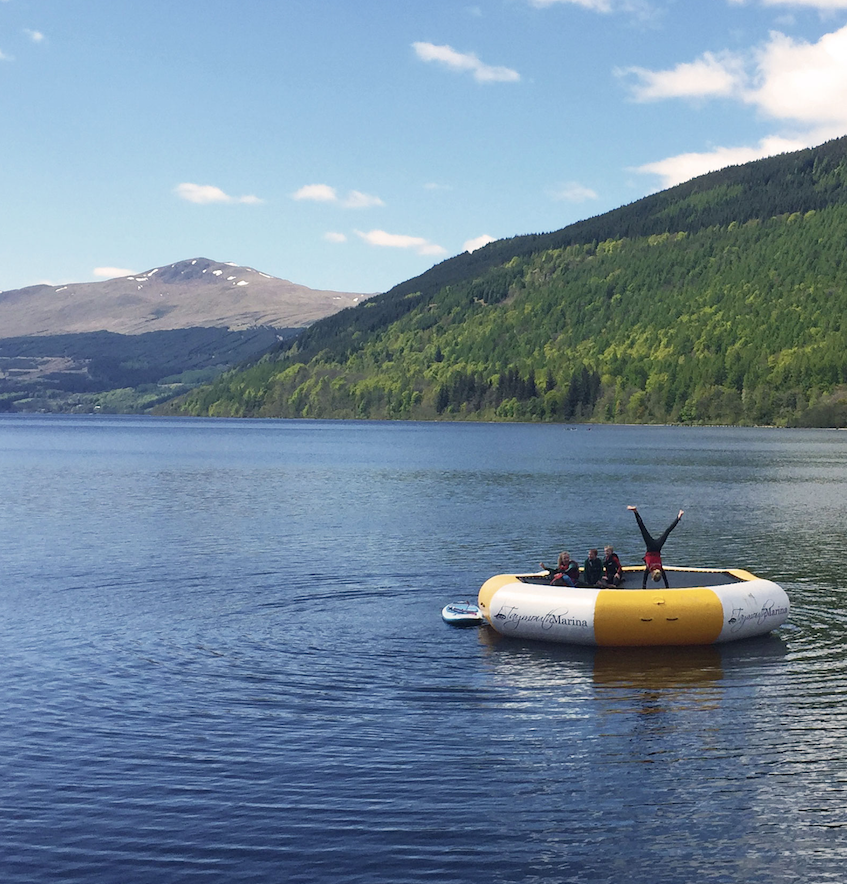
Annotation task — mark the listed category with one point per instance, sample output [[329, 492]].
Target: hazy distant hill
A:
[[196, 292], [126, 343], [721, 300]]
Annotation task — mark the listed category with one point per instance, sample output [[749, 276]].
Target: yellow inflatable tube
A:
[[701, 607]]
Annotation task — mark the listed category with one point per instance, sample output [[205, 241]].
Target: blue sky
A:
[[352, 144]]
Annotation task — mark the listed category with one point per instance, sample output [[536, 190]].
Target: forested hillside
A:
[[718, 301], [116, 372]]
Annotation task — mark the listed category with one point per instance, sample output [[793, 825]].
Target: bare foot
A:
[[633, 508], [680, 514]]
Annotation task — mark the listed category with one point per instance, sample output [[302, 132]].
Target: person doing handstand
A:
[[653, 556]]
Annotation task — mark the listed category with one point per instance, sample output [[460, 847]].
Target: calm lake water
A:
[[223, 658]]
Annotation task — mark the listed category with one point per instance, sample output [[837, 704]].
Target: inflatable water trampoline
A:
[[702, 606]]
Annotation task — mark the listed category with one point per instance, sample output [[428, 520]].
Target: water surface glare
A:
[[223, 658]]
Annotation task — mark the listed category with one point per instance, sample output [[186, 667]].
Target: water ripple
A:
[[231, 667]]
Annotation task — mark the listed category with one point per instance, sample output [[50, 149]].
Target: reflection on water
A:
[[636, 668]]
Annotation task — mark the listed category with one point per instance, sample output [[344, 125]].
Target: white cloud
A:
[[465, 62], [806, 82], [594, 5], [645, 10], [332, 236], [815, 4], [112, 272], [477, 243], [35, 36], [319, 193], [203, 194], [709, 75], [787, 79], [574, 192], [323, 193], [400, 241], [358, 200], [803, 85], [675, 170]]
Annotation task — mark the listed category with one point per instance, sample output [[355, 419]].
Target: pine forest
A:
[[720, 301]]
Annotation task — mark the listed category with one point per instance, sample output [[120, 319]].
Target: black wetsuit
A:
[[592, 570], [612, 567], [653, 558]]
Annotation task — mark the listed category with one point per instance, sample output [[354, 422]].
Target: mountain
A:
[[193, 293], [126, 343], [716, 301]]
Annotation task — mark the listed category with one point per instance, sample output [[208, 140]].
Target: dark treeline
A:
[[475, 393]]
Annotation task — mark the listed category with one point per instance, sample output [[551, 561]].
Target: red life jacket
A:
[[571, 574], [653, 560]]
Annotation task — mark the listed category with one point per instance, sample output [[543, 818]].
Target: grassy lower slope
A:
[[102, 369]]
